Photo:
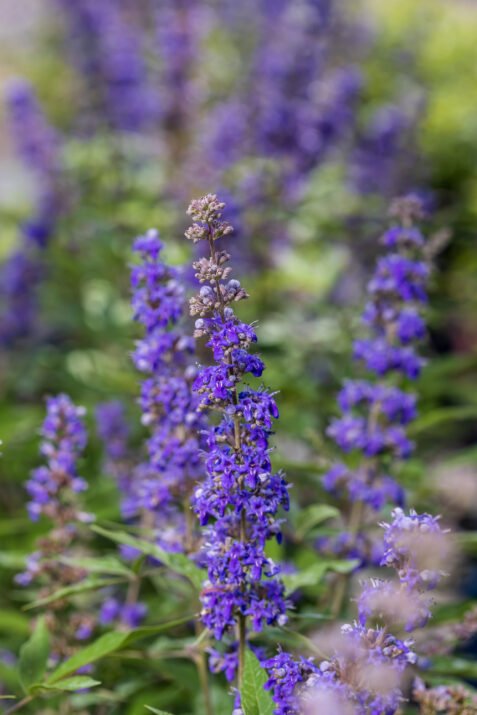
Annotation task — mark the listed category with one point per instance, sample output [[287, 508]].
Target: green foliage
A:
[[254, 699], [179, 563], [307, 299], [34, 656], [106, 645]]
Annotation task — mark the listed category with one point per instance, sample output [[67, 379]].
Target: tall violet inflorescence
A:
[[38, 147], [364, 671], [239, 502], [54, 491], [105, 44], [376, 411], [166, 481]]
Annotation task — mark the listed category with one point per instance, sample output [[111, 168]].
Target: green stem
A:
[[242, 620], [242, 644], [201, 664]]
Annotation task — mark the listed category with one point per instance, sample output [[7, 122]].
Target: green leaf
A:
[[156, 711], [312, 575], [103, 565], [314, 515], [34, 656], [176, 562], [107, 644], [255, 700], [77, 682], [88, 584], [13, 622], [436, 418], [455, 666], [12, 560]]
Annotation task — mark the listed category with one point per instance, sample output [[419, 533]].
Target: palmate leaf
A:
[[106, 645], [34, 656], [254, 699], [179, 563]]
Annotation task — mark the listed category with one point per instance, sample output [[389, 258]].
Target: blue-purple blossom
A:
[[239, 502], [164, 484], [107, 48], [380, 155], [376, 411], [180, 25], [21, 274], [128, 615], [52, 487], [55, 493], [113, 431], [363, 673], [35, 140]]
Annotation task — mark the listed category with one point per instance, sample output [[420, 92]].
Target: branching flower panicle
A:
[[54, 491], [166, 482], [375, 411], [364, 672], [240, 500]]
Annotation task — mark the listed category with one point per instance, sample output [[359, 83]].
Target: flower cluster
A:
[[165, 483], [376, 412], [53, 491], [106, 47], [128, 615], [52, 488], [21, 274], [376, 164], [240, 500], [180, 26], [285, 118], [445, 699], [113, 431], [364, 673]]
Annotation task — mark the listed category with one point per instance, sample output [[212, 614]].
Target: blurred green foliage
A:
[[426, 49]]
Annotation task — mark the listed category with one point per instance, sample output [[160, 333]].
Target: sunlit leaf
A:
[[34, 656], [88, 584], [314, 515], [108, 644], [312, 575], [179, 563], [254, 699], [77, 682]]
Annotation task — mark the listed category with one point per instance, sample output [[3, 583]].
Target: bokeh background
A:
[[115, 114]]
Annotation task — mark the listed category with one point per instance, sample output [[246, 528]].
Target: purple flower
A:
[[240, 500], [54, 490], [106, 47], [22, 272], [375, 412], [133, 614], [109, 611], [64, 438], [164, 484]]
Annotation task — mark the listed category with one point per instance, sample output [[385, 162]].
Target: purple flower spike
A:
[[375, 412], [164, 485], [240, 500]]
